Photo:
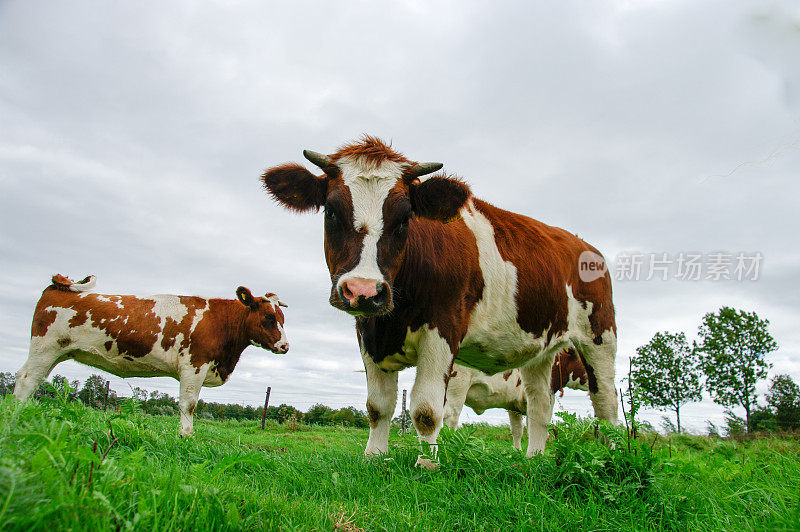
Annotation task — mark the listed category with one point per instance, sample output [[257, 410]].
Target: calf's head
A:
[[264, 321], [371, 195]]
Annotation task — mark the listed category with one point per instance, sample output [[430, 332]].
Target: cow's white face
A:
[[368, 186], [370, 195]]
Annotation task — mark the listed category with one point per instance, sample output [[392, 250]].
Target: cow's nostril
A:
[[345, 292], [382, 291]]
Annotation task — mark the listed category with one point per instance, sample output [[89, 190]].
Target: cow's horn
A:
[[421, 169], [317, 158], [282, 304]]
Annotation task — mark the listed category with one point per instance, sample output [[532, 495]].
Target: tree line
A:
[[93, 393], [727, 360]]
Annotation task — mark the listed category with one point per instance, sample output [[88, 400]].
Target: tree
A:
[[732, 347], [664, 373], [319, 414], [93, 391], [784, 398]]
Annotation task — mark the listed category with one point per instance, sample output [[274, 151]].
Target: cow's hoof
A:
[[186, 434], [426, 463]]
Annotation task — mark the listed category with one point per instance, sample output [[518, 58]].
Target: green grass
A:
[[233, 476]]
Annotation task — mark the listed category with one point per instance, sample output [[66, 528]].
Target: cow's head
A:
[[370, 195], [264, 322]]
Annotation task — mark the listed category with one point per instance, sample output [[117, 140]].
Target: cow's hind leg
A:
[[598, 358], [191, 382], [381, 402], [457, 389], [42, 357], [539, 395], [515, 420]]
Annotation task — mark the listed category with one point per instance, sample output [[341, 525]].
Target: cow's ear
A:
[[438, 198], [245, 297], [296, 188]]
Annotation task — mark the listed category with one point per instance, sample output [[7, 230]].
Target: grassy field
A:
[[66, 466]]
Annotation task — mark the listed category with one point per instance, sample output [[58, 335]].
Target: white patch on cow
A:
[[575, 383], [84, 287], [169, 306], [283, 340], [494, 341], [481, 392], [369, 186]]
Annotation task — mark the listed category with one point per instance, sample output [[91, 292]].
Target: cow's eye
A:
[[402, 227], [269, 321], [330, 216]]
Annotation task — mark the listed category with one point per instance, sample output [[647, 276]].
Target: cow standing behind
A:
[[435, 276], [481, 392], [195, 340]]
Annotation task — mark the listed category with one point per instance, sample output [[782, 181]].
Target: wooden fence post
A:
[[266, 404], [403, 415], [105, 399]]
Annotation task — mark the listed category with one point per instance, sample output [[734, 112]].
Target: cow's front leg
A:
[[539, 396], [191, 379], [381, 401], [435, 360]]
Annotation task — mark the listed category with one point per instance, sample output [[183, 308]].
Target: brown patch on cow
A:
[[42, 320], [108, 345], [63, 342], [373, 414], [372, 150], [218, 336], [519, 381], [424, 420], [507, 374], [567, 365]]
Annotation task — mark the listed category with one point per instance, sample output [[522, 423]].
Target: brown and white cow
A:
[[435, 276], [195, 340], [481, 392]]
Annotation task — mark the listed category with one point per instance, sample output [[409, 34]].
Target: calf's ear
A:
[[438, 198], [295, 188], [245, 297]]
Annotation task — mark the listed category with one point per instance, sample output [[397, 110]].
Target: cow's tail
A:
[[61, 282]]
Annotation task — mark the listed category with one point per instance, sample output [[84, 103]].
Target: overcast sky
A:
[[132, 136]]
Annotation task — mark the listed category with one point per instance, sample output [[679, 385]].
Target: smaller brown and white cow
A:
[[481, 392], [195, 340]]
